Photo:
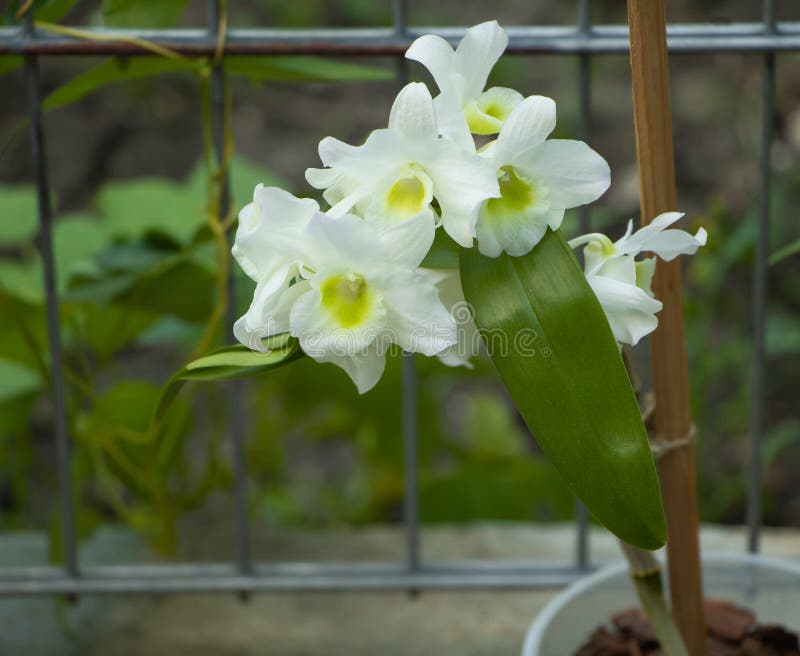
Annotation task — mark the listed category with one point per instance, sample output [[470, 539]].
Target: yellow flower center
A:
[[517, 193], [406, 196], [347, 298]]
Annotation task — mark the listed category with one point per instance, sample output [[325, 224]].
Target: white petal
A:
[[619, 267], [417, 320], [365, 369], [529, 124], [477, 53], [515, 234], [348, 243], [667, 244], [462, 181], [573, 172], [468, 340], [412, 112], [409, 241], [273, 212], [435, 54], [645, 270], [268, 314], [629, 310], [452, 121]]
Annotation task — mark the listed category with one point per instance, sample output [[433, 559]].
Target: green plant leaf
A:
[[18, 209], [552, 345], [311, 69], [786, 251], [9, 64], [118, 69], [135, 207], [142, 13], [443, 253], [17, 380], [229, 362], [44, 10]]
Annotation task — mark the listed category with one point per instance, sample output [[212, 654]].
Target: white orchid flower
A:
[[621, 284], [539, 179], [468, 339], [355, 291], [461, 74], [273, 212], [399, 171]]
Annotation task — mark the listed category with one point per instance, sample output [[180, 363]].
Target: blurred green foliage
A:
[[136, 277], [136, 273]]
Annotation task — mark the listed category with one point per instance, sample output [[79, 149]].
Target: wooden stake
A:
[[651, 104]]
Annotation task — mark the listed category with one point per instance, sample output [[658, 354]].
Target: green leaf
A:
[[443, 253], [312, 69], [16, 380], [18, 209], [142, 13], [135, 207], [118, 69], [44, 10], [786, 251], [9, 64], [552, 345], [227, 363], [245, 175]]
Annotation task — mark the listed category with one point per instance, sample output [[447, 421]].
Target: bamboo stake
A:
[[651, 104]]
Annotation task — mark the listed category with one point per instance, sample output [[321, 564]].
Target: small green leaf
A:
[[227, 363], [118, 69], [786, 251], [142, 13], [552, 344], [310, 69]]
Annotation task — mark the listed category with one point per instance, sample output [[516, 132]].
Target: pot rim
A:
[[541, 622]]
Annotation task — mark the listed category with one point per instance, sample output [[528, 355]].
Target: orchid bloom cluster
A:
[[347, 281]]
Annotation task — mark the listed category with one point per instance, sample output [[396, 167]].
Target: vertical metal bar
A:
[[219, 91], [410, 462], [410, 383], [45, 244], [758, 392], [582, 555]]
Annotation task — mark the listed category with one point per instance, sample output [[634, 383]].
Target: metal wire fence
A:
[[583, 40]]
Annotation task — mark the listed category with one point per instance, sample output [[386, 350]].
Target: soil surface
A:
[[732, 631]]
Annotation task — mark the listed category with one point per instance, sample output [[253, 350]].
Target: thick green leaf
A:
[[443, 253], [229, 362], [311, 69], [142, 13], [109, 71], [551, 342]]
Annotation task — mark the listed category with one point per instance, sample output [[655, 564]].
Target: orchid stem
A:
[[645, 572]]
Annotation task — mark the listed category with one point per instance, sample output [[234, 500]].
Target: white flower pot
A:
[[768, 586]]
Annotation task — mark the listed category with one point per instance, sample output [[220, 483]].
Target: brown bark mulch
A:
[[732, 631]]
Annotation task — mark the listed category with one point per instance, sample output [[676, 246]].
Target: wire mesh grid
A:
[[241, 575]]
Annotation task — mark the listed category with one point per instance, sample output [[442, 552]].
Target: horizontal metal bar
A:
[[601, 39], [288, 577]]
